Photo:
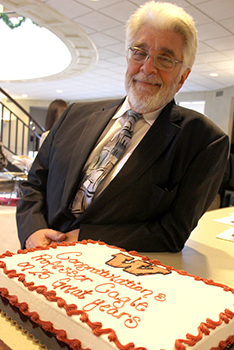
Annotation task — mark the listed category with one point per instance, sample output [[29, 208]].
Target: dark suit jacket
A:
[[156, 199]]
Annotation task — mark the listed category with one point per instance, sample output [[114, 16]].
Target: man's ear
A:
[[183, 77]]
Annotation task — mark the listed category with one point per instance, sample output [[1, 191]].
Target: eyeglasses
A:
[[161, 62]]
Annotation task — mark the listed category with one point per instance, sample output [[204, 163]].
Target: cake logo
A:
[[135, 266]]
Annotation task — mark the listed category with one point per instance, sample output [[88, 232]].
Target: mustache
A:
[[147, 79]]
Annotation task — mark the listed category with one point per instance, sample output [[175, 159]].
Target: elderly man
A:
[[137, 172]]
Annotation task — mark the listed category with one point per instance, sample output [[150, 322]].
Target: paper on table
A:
[[229, 220], [228, 235]]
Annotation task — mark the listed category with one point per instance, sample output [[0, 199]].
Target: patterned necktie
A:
[[103, 163]]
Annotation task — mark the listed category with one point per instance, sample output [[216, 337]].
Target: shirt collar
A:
[[149, 117]]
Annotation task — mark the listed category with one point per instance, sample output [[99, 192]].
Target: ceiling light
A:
[[59, 91], [213, 74], [24, 95], [31, 52]]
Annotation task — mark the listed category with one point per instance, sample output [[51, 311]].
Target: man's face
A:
[[148, 87]]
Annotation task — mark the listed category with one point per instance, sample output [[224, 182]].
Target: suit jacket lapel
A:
[[150, 148], [96, 123]]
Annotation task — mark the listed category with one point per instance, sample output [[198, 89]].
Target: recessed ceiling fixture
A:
[[213, 74], [33, 58], [24, 95], [59, 91], [31, 52]]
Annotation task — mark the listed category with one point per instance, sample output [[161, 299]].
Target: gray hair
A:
[[165, 16]]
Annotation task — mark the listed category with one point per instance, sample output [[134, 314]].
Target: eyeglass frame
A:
[[174, 61]]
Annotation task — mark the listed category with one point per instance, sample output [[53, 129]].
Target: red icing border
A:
[[75, 344]]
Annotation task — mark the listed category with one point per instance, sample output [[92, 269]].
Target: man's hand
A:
[[46, 236], [72, 236]]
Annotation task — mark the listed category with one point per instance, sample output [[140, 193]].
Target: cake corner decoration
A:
[[91, 295]]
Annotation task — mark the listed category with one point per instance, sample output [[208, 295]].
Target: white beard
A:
[[145, 100]]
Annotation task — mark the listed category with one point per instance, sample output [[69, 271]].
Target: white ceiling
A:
[[103, 22]]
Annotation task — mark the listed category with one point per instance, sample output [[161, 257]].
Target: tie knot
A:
[[132, 118], [132, 114]]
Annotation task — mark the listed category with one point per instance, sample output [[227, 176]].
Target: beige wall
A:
[[217, 108], [220, 109], [26, 104]]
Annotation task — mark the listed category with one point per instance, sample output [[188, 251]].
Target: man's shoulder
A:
[[186, 113], [184, 116]]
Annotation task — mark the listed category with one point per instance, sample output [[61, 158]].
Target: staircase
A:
[[19, 131], [20, 135]]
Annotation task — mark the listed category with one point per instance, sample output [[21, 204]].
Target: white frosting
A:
[[156, 310]]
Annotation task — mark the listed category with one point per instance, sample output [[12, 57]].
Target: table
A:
[[205, 255], [10, 182]]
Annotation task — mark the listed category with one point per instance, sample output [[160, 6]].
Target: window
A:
[[198, 106]]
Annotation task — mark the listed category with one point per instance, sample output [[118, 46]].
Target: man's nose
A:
[[148, 67]]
